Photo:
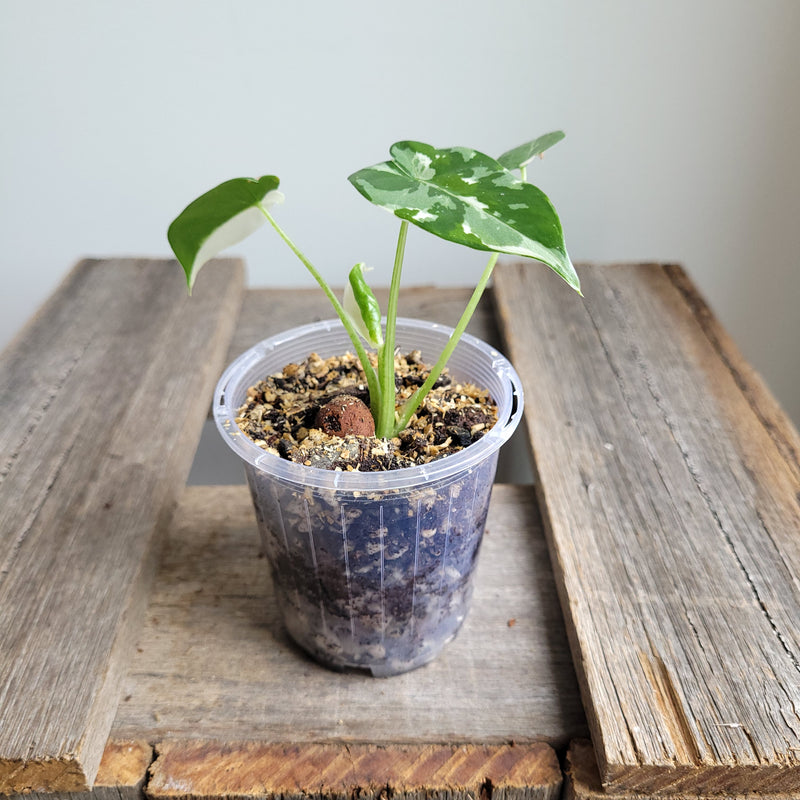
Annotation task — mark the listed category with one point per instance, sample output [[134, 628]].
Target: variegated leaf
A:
[[220, 218], [468, 198]]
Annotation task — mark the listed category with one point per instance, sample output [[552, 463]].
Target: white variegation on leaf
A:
[[466, 197], [222, 217], [235, 230]]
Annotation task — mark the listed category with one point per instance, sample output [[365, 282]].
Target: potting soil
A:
[[280, 412]]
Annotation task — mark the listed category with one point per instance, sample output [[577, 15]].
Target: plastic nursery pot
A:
[[372, 570]]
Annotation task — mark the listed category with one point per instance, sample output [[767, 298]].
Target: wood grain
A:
[[121, 776], [123, 771], [582, 782], [342, 772], [672, 508], [102, 398], [774, 420], [213, 660]]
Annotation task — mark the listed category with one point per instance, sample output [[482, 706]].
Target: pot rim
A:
[[509, 402]]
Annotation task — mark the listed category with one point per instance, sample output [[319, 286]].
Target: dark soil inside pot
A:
[[281, 415]]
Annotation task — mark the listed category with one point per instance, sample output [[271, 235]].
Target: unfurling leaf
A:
[[362, 307], [468, 198], [525, 153], [221, 217]]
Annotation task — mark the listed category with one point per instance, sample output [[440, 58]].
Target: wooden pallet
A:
[[667, 474]]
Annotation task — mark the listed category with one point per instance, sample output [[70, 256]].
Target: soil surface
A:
[[282, 410]]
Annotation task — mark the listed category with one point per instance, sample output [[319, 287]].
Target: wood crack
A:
[[691, 468], [34, 417], [36, 507], [668, 697], [34, 420], [778, 633]]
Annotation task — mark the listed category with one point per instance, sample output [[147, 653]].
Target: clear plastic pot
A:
[[372, 570]]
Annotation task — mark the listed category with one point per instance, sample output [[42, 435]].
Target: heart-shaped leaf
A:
[[525, 153], [221, 217], [468, 198]]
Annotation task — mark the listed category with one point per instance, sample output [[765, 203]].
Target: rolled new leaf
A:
[[525, 153], [467, 197], [362, 307], [220, 218]]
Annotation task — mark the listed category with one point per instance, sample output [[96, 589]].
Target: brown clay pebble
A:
[[345, 415]]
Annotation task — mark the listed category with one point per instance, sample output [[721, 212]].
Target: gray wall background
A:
[[682, 122]]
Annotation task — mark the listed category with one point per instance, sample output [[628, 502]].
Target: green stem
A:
[[411, 405], [386, 417], [366, 365], [523, 172]]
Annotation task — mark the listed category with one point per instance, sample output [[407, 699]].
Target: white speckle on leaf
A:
[[515, 206], [481, 172], [470, 181], [421, 165], [475, 203], [465, 227], [424, 216]]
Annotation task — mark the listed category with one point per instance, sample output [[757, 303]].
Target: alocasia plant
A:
[[456, 193]]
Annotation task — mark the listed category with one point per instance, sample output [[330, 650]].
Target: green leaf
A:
[[525, 153], [466, 197], [221, 217]]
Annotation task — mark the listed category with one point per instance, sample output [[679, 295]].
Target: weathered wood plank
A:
[[121, 776], [582, 782], [762, 401], [102, 398], [214, 662], [342, 772], [672, 514], [266, 312]]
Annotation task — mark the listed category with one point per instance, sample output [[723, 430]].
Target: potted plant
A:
[[373, 569]]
